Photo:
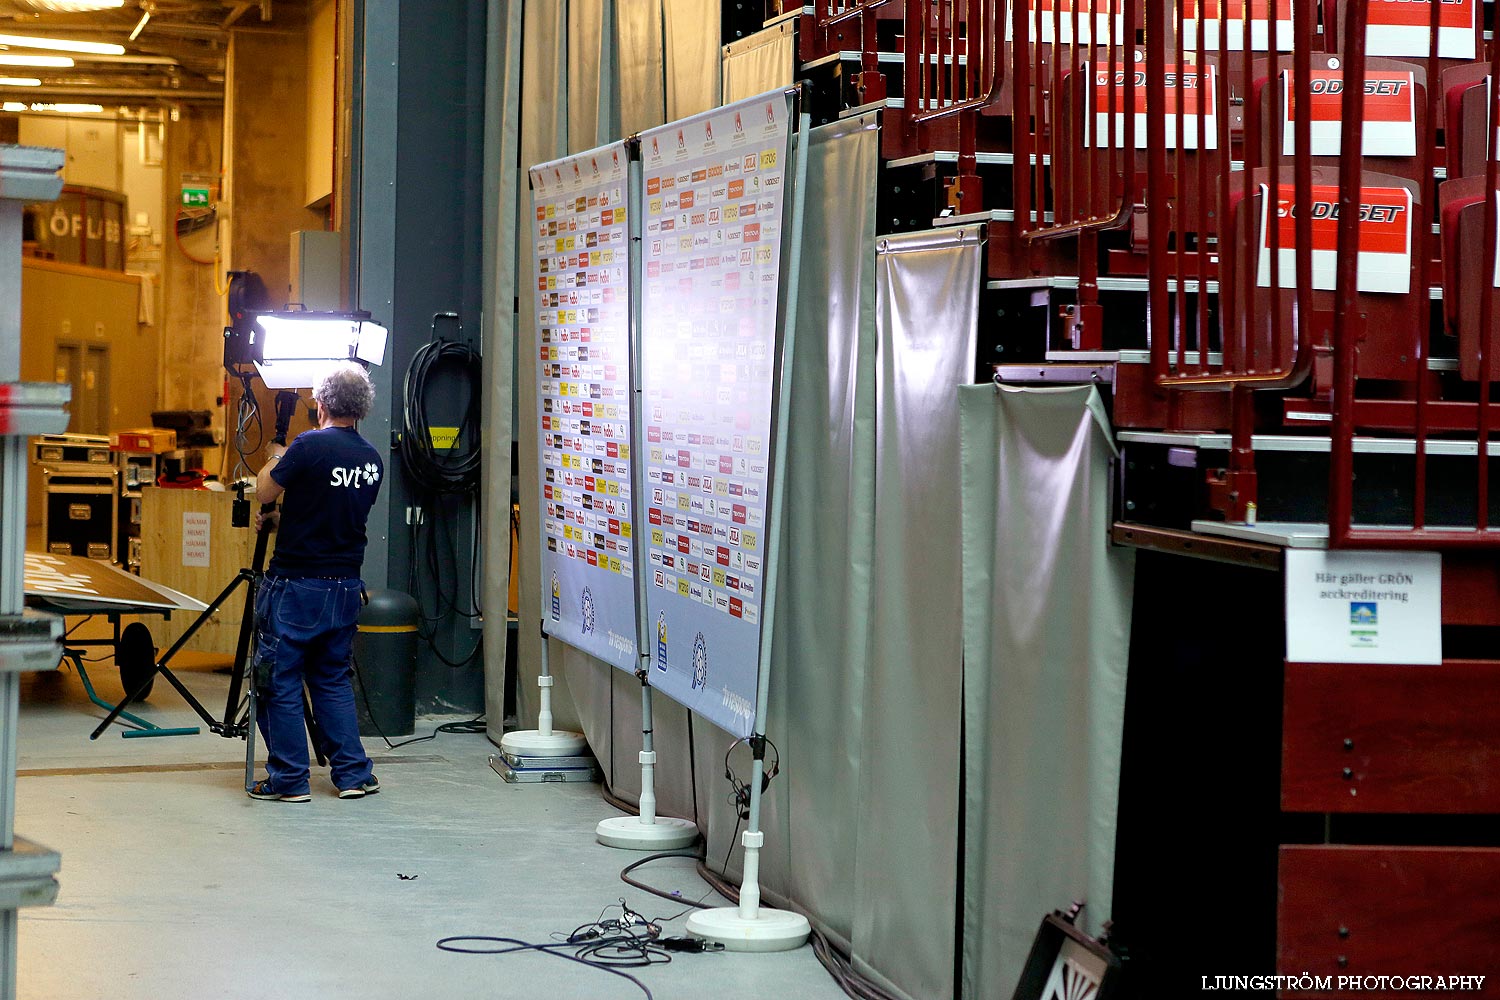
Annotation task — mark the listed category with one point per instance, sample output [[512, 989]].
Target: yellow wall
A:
[[320, 84]]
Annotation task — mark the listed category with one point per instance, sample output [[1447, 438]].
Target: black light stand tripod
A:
[[238, 721]]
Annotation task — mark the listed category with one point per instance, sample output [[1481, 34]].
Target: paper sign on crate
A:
[[197, 538], [1402, 28], [1384, 238], [1093, 22], [1390, 112], [1185, 88]]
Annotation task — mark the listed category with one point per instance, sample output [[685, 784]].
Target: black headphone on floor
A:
[[740, 797]]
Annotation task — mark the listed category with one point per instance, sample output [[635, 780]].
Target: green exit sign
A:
[[194, 197]]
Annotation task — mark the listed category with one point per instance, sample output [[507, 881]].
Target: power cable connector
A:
[[687, 944]]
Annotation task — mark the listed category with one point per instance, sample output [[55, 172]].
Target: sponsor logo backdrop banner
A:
[[713, 196], [581, 239]]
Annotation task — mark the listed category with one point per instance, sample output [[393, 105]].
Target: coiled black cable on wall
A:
[[454, 470], [441, 478]]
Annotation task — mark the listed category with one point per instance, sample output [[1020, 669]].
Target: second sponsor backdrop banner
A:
[[714, 188], [581, 237]]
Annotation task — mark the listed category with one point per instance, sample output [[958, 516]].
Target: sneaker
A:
[[261, 790], [360, 791]]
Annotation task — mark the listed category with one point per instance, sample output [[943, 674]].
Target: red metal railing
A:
[[830, 12], [1074, 91], [1425, 415], [954, 69], [1264, 341], [1056, 60]]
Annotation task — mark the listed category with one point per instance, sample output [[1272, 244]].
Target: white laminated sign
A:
[[1363, 607], [1229, 15], [1384, 238], [1390, 113], [1186, 93]]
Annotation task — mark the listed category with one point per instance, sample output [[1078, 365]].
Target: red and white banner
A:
[[1093, 22], [1384, 238], [1402, 28], [1390, 113], [1231, 13], [1186, 89]]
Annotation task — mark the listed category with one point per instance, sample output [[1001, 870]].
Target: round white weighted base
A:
[[535, 743], [771, 930], [630, 834]]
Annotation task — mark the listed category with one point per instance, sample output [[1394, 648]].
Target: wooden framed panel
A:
[[1374, 738], [1408, 911]]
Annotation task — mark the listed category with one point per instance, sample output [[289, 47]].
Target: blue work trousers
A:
[[306, 635]]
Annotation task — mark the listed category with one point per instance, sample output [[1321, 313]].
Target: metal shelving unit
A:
[[28, 641]]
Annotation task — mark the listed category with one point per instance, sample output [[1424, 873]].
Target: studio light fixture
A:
[[293, 350], [62, 45], [39, 62], [19, 81]]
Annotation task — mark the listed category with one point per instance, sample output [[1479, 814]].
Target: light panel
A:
[[295, 350], [19, 81]]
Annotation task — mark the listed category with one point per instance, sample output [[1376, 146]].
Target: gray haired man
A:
[[310, 598]]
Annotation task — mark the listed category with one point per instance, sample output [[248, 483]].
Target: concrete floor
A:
[[176, 885]]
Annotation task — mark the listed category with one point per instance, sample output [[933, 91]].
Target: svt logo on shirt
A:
[[355, 476]]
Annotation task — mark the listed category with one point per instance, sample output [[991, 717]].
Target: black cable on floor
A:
[[555, 949], [469, 727]]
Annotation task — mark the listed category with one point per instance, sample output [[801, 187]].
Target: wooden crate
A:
[[164, 514]]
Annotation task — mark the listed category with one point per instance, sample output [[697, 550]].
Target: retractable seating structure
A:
[[1267, 230]]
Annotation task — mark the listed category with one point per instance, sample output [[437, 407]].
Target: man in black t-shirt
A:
[[310, 598]]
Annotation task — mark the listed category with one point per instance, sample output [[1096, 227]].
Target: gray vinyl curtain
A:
[[639, 55], [906, 890], [811, 814], [691, 43], [1046, 636], [501, 203], [764, 61], [592, 103]]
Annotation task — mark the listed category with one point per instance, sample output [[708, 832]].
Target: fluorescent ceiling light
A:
[[43, 62], [19, 81], [62, 44], [70, 109], [139, 26], [70, 6]]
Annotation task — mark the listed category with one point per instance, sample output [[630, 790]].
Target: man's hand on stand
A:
[[272, 518]]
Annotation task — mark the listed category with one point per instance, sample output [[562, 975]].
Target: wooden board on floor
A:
[[165, 515]]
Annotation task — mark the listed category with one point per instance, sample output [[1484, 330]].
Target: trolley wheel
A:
[[135, 655]]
